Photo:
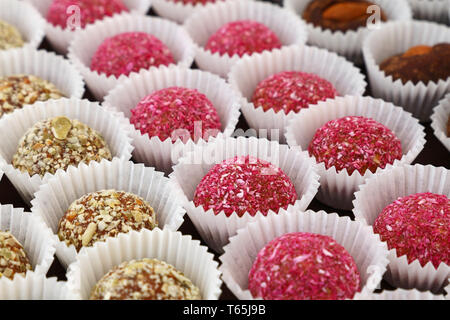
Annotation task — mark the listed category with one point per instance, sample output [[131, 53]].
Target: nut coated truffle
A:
[[10, 36], [130, 52], [417, 226], [13, 259], [245, 185], [243, 37], [176, 112], [99, 215], [146, 279], [355, 143], [304, 266], [292, 91], [58, 143]]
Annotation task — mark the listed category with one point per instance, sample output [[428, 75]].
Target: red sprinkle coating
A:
[[355, 143], [418, 226], [245, 184], [90, 10], [292, 91], [243, 37], [304, 266], [176, 113]]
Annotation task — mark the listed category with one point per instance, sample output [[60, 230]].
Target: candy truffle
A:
[[292, 91], [243, 37], [419, 64], [245, 184], [99, 215], [13, 259], [58, 143], [61, 11], [304, 266], [10, 36], [176, 112], [146, 279], [19, 90], [339, 15], [417, 226], [355, 143]]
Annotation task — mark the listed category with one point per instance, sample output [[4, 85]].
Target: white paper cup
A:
[[204, 23], [396, 38], [369, 253], [33, 287], [57, 194], [185, 254], [432, 10], [400, 294], [87, 41], [163, 154], [249, 72], [337, 188], [14, 126], [348, 43], [60, 38], [382, 190], [216, 229], [439, 121]]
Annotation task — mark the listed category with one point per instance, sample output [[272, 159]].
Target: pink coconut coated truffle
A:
[[292, 91], [417, 226], [245, 184], [90, 11], [242, 37], [130, 52], [355, 143], [176, 113], [304, 266]]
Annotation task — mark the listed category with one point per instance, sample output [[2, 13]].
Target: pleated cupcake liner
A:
[[400, 294], [33, 287], [432, 10], [440, 119]]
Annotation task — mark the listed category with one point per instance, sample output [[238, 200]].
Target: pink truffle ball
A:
[[355, 143], [130, 52], [242, 37], [176, 113], [245, 184], [292, 91], [304, 266], [417, 226]]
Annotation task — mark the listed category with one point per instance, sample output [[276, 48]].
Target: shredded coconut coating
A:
[[90, 11], [304, 266], [292, 91], [103, 214], [130, 52], [58, 143], [13, 259], [243, 37], [417, 226], [10, 36], [245, 185], [174, 113], [146, 279], [355, 143]]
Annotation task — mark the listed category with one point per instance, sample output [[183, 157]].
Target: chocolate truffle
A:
[[58, 143], [19, 90], [339, 15], [174, 113], [13, 259], [10, 36], [304, 266], [243, 37], [292, 91], [355, 143], [245, 184], [420, 64], [417, 226], [146, 279], [103, 214]]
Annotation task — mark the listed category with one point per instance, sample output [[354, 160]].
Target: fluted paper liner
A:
[[432, 10], [369, 253], [399, 294], [439, 120], [216, 229], [14, 126], [201, 25], [337, 188], [185, 254], [33, 287]]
